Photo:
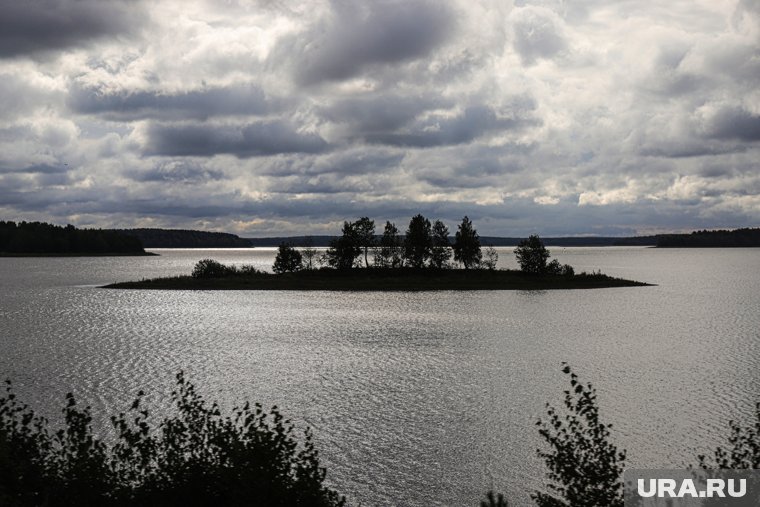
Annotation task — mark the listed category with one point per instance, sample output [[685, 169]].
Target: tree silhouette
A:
[[288, 259], [532, 255], [365, 234], [494, 500], [390, 253], [490, 258], [344, 250], [418, 243], [585, 468], [309, 254], [209, 268], [441, 252], [744, 452], [467, 245], [196, 456]]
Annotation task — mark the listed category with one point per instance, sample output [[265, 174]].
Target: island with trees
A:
[[42, 239], [422, 259]]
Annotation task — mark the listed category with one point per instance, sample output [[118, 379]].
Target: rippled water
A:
[[414, 398]]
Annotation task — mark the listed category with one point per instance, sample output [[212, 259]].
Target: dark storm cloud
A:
[[668, 79], [735, 123], [687, 148], [35, 169], [176, 172], [440, 130], [322, 184], [356, 162], [375, 33], [53, 179], [250, 140], [380, 113], [30, 26], [716, 171], [234, 100], [477, 173]]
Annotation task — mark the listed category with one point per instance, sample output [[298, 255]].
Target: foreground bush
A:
[[200, 457], [585, 467], [197, 457], [744, 450]]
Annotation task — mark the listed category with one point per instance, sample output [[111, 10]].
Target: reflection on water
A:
[[415, 398]]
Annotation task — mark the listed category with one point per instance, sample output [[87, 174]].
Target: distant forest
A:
[[178, 238], [709, 239], [43, 238], [38, 238]]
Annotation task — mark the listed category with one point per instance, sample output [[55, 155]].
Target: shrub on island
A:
[[288, 259], [209, 268], [532, 256]]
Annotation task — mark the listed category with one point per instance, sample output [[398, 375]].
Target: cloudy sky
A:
[[268, 117]]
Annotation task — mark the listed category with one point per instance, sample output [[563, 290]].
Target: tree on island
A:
[[467, 245], [344, 250], [209, 268], [365, 233], [490, 258], [441, 252], [532, 255], [288, 259], [418, 243], [390, 252], [309, 254]]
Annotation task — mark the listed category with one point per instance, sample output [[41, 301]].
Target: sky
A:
[[279, 117]]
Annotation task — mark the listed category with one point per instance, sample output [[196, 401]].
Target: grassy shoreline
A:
[[403, 279]]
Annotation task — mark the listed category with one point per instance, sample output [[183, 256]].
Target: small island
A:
[[421, 260], [400, 279]]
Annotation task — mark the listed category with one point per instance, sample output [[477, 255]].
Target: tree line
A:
[[181, 238], [423, 245], [44, 238], [711, 239]]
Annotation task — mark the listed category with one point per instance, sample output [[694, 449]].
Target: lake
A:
[[415, 398]]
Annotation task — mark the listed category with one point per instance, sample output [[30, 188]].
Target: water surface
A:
[[425, 398]]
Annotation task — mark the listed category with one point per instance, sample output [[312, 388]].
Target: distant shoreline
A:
[[370, 279], [74, 254]]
